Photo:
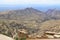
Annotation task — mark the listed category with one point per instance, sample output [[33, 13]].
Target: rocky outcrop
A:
[[3, 37], [50, 34]]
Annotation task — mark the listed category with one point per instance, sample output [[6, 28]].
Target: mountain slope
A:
[[24, 14], [53, 14]]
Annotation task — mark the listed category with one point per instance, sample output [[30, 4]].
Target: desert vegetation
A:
[[30, 23]]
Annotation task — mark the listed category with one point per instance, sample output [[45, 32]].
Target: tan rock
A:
[[38, 36], [57, 33], [57, 36], [49, 36], [49, 32], [3, 37], [23, 31]]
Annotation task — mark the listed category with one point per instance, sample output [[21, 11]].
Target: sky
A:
[[43, 4], [15, 2]]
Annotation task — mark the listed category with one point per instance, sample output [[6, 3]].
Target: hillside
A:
[[53, 14], [24, 14], [33, 21]]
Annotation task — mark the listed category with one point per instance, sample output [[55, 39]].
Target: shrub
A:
[[23, 39], [16, 38]]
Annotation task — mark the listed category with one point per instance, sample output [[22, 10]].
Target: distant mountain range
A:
[[24, 14], [30, 14], [30, 19]]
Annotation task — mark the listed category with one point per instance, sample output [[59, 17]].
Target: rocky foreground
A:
[[3, 37], [43, 39]]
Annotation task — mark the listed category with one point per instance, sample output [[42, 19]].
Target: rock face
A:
[[57, 36], [50, 34], [3, 37]]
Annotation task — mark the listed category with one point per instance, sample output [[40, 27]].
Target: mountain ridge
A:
[[34, 21]]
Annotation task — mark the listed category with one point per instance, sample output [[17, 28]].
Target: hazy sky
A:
[[42, 4], [24, 2]]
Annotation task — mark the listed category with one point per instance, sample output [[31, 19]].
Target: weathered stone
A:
[[32, 36], [49, 32], [3, 37], [23, 31], [49, 36], [58, 33], [57, 36], [38, 36]]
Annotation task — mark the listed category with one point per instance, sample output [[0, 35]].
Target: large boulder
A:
[[3, 37]]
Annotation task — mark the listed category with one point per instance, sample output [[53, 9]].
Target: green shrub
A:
[[16, 38], [23, 39]]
